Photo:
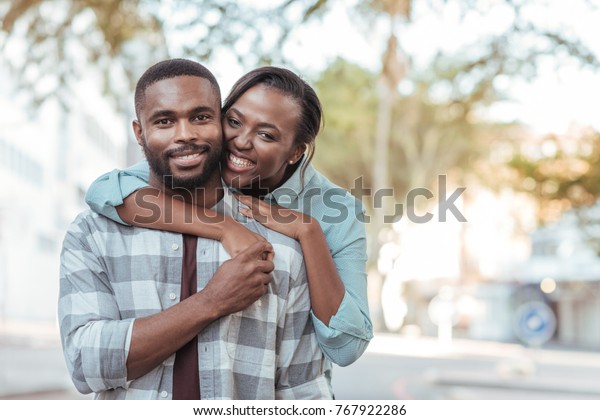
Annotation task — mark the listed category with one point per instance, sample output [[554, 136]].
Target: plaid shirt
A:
[[349, 331], [111, 274]]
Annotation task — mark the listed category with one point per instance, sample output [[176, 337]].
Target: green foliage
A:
[[63, 35], [344, 150], [561, 172], [429, 135]]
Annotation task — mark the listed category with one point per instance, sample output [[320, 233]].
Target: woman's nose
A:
[[243, 141]]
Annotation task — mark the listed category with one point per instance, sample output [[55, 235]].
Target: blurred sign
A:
[[442, 309], [535, 323], [393, 305], [443, 313]]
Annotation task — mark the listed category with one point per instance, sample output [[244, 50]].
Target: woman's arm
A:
[[153, 209], [327, 292], [125, 197], [109, 190], [336, 276]]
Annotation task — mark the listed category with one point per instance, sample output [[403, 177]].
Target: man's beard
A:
[[159, 164]]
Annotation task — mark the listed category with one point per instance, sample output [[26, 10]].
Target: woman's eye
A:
[[233, 122], [266, 136]]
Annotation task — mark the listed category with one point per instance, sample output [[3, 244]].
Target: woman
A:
[[270, 122]]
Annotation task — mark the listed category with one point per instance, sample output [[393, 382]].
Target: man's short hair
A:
[[169, 69]]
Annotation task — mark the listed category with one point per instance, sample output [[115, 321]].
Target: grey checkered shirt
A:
[[112, 274]]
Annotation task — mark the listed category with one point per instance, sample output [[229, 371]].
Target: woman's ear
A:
[[297, 154]]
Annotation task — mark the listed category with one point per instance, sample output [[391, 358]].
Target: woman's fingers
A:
[[281, 219], [257, 209]]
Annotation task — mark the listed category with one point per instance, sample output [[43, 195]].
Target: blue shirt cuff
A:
[[108, 192], [339, 332]]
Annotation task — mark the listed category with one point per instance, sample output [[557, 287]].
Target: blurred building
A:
[[499, 282], [48, 157], [564, 271], [420, 259]]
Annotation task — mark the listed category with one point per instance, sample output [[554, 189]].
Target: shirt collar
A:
[[228, 203], [288, 192]]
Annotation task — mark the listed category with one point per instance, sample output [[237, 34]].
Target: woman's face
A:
[[259, 131]]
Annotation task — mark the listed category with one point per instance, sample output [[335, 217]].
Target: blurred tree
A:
[[439, 125], [403, 140], [59, 37], [254, 33], [428, 136], [439, 122], [350, 106], [560, 172]]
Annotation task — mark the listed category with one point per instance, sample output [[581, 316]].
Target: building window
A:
[[20, 163], [98, 135]]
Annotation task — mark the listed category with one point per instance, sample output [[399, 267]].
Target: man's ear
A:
[[137, 131]]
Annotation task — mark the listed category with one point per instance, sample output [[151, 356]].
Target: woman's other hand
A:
[[291, 223], [236, 238]]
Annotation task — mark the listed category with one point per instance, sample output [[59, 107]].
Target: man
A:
[[127, 328]]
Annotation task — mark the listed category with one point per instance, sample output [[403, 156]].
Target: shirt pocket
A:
[[252, 333]]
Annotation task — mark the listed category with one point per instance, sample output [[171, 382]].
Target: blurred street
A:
[[393, 367], [421, 368], [32, 364]]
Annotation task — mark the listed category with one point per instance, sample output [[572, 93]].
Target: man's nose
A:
[[184, 131]]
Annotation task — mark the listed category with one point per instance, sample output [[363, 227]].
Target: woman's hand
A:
[[236, 238], [291, 223]]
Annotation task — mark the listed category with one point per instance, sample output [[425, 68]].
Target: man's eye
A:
[[164, 121], [202, 117]]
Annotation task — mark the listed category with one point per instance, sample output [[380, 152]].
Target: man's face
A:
[[180, 131]]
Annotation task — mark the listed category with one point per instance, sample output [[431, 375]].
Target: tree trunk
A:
[[393, 71]]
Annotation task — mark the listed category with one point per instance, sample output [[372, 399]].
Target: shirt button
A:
[[174, 247], [172, 296], [259, 303], [164, 394]]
